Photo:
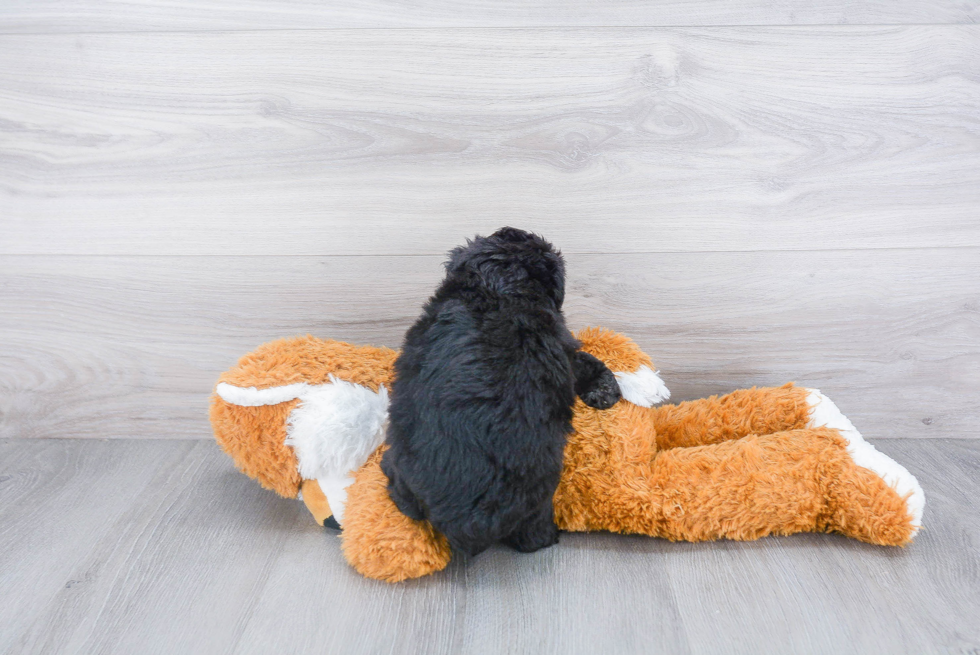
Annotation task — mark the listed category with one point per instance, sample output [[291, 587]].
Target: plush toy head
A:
[[303, 409]]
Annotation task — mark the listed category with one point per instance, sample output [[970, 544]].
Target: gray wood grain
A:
[[161, 547], [131, 346], [401, 141], [41, 16]]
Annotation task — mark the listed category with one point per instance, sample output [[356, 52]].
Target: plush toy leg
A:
[[379, 541], [801, 480], [783, 483], [824, 413], [732, 416]]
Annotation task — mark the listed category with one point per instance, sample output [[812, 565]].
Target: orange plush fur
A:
[[740, 466]]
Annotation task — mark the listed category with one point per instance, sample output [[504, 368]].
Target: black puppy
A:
[[481, 404]]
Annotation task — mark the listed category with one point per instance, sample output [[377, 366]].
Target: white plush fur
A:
[[335, 489], [643, 388], [333, 430], [825, 414], [336, 427]]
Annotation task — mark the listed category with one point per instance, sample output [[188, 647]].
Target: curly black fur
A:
[[482, 400]]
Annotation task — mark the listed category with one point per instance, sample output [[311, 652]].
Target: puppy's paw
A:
[[595, 384], [532, 537], [603, 393]]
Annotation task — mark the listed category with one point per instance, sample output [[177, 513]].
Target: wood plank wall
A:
[[756, 194]]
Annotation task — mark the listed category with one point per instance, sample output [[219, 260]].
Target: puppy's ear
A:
[[549, 270], [479, 263], [458, 257]]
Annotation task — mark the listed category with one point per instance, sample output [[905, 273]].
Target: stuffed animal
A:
[[306, 418]]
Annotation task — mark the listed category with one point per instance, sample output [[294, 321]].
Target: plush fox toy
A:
[[306, 418]]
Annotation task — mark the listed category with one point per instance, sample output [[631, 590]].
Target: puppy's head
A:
[[511, 261]]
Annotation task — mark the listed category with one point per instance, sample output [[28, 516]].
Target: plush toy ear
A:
[[254, 437]]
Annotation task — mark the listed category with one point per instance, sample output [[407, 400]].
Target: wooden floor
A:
[[758, 192], [161, 546]]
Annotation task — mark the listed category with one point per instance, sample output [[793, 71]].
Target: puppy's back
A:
[[481, 403], [481, 407]]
